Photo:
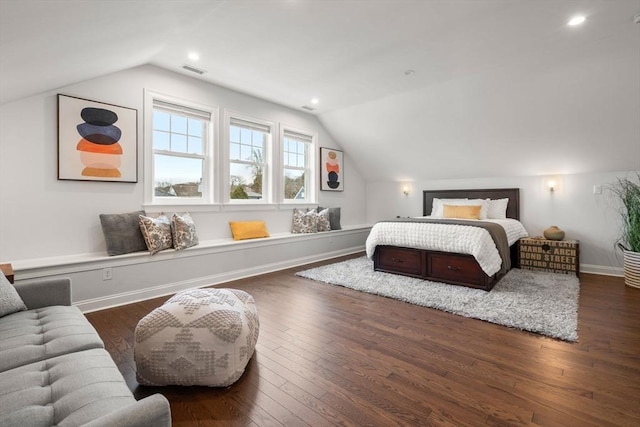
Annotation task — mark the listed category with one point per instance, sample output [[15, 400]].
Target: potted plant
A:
[[628, 191]]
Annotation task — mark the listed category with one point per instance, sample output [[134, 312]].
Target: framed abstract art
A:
[[96, 141], [331, 169]]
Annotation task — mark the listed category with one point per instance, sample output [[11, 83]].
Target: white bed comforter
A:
[[463, 239]]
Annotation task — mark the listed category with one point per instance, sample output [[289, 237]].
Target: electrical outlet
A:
[[597, 189], [107, 273]]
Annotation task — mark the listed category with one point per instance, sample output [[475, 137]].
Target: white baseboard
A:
[[123, 298], [602, 269]]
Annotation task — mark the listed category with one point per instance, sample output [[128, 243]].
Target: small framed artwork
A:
[[331, 169], [96, 141]]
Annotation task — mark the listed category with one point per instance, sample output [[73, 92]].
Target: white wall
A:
[[42, 217], [592, 219]]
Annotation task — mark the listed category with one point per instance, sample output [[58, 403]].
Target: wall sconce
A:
[[551, 184], [405, 186]]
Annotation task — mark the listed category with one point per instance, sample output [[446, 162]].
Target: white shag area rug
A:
[[545, 303]]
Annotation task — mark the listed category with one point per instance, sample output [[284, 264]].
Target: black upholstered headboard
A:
[[513, 194]]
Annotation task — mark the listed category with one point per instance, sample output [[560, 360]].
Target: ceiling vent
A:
[[306, 107], [193, 69]]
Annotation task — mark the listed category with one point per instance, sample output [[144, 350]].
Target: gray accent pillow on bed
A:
[[122, 233]]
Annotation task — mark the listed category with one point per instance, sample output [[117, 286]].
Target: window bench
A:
[[100, 280]]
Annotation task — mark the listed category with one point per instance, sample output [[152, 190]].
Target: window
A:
[[190, 160], [249, 155], [296, 166], [182, 151]]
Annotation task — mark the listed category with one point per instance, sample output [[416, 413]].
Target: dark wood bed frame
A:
[[447, 267]]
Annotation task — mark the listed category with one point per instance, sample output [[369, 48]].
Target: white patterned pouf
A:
[[198, 337]]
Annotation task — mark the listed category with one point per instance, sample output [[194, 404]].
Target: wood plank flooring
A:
[[328, 356]]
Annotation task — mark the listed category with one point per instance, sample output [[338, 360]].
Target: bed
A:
[[450, 251]]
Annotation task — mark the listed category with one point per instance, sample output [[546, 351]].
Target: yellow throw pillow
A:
[[242, 230], [462, 212]]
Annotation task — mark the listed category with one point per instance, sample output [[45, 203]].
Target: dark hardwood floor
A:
[[328, 355]]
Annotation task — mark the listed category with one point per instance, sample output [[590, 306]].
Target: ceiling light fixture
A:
[[194, 56], [576, 20], [315, 101]]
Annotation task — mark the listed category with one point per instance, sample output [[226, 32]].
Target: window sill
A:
[[230, 207]]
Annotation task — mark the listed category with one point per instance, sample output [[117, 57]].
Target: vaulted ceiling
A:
[[410, 89]]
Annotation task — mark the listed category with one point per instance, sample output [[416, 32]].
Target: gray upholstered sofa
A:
[[54, 369]]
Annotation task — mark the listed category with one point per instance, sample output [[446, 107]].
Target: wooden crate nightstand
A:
[[555, 256]]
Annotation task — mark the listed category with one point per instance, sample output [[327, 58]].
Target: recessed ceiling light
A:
[[315, 101], [576, 20], [194, 56]]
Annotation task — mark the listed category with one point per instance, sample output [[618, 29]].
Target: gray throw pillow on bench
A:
[[122, 233]]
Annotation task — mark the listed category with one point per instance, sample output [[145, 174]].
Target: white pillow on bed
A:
[[497, 209], [437, 209]]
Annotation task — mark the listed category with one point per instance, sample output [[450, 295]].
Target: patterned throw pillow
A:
[[183, 231], [10, 301], [304, 222], [323, 220], [334, 217], [156, 232]]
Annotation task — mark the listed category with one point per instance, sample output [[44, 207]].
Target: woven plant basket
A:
[[632, 269]]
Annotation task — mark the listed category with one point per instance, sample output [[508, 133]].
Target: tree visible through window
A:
[[185, 166], [296, 165], [247, 165]]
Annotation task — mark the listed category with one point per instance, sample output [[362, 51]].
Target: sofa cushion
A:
[[72, 389], [34, 335]]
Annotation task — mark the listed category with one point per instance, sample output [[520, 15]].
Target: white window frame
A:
[[311, 190], [267, 178], [209, 192]]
